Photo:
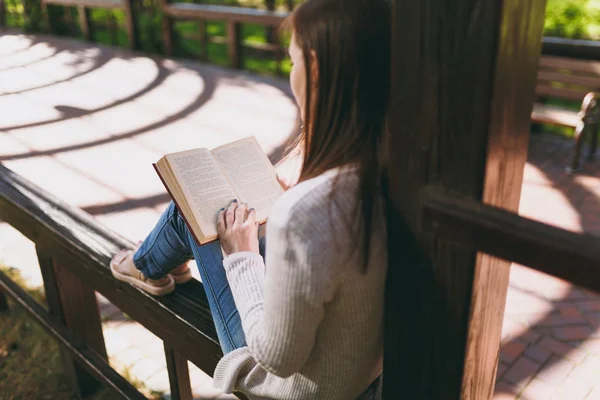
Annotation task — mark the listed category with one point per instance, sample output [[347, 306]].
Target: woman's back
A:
[[322, 315]]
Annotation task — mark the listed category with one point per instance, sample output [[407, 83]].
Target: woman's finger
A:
[[240, 214], [221, 222], [230, 214], [251, 220]]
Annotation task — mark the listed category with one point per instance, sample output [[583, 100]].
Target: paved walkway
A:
[[86, 122]]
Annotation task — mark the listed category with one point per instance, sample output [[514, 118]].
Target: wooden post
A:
[[3, 301], [84, 22], [271, 35], [74, 305], [130, 24], [234, 37], [580, 133], [167, 29], [179, 375], [203, 40], [2, 14], [279, 55], [462, 84], [46, 15]]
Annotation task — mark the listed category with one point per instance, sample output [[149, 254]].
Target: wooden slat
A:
[[591, 83], [179, 375], [224, 13], [84, 22], [79, 243], [574, 48], [462, 86], [574, 257], [554, 115], [167, 33], [561, 93], [572, 64], [3, 301], [74, 304], [234, 46], [88, 358], [2, 14], [204, 39], [130, 24], [110, 4]]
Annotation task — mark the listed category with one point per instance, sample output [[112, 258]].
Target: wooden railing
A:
[[234, 17], [74, 253], [574, 257], [87, 29]]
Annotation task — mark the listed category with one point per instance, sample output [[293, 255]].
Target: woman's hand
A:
[[238, 229]]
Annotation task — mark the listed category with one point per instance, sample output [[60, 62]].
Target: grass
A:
[[29, 359], [30, 365]]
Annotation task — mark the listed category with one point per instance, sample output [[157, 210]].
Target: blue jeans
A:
[[171, 244]]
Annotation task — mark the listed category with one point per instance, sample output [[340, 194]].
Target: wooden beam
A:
[[506, 235], [463, 78], [224, 13], [74, 304], [515, 67], [108, 4], [87, 357], [179, 375]]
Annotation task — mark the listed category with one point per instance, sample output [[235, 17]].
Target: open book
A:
[[203, 181]]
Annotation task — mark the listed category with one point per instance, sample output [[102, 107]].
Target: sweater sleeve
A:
[[282, 309]]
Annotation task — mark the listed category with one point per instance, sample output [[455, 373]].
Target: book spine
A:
[[189, 226]]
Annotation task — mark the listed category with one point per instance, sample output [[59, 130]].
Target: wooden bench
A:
[[74, 253], [574, 80], [234, 17], [84, 15]]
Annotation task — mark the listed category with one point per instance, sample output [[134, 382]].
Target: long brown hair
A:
[[345, 119]]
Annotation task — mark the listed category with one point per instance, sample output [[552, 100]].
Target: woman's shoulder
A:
[[312, 200]]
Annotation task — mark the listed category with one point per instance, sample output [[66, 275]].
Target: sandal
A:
[[181, 274], [124, 270]]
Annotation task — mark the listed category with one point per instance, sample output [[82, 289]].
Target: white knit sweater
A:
[[313, 321]]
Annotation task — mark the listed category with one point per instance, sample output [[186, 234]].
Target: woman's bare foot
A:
[[123, 269]]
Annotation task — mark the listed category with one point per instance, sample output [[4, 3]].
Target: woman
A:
[[308, 324]]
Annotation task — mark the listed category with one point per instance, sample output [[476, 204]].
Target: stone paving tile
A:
[[85, 123]]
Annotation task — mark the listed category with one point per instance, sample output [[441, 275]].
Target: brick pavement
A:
[[85, 122], [551, 334]]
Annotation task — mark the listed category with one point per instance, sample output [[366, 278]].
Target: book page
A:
[[204, 186], [251, 174]]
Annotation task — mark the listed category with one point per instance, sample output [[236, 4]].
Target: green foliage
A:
[[32, 16], [575, 19]]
